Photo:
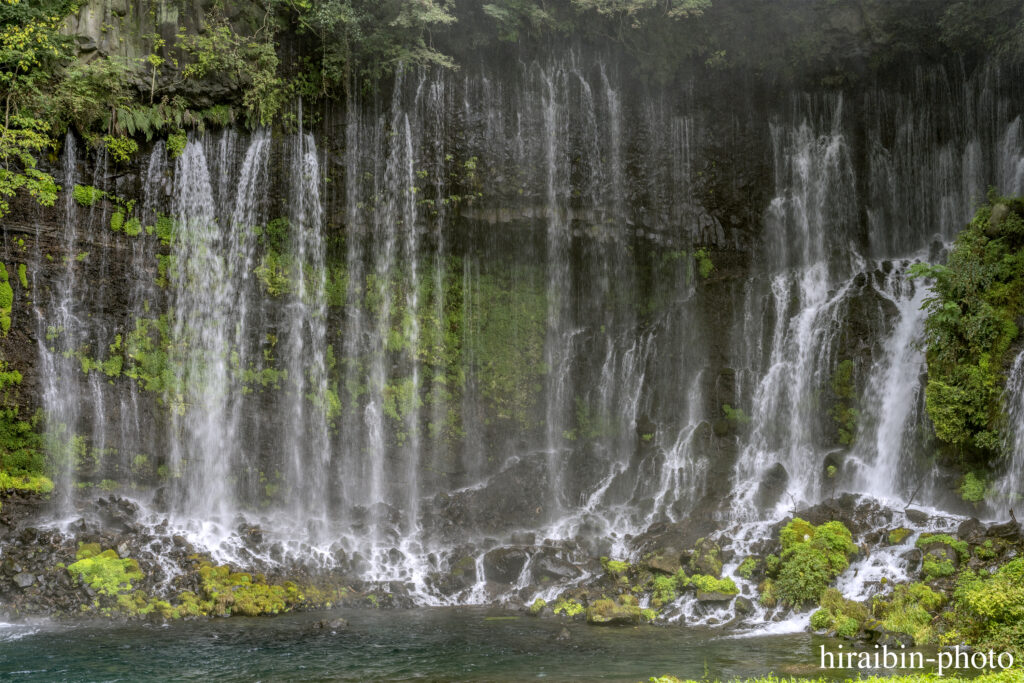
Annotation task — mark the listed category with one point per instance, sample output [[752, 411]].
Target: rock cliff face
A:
[[540, 304]]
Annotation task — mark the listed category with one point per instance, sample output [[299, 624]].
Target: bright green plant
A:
[[811, 558]]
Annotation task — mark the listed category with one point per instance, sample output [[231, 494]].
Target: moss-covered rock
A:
[[607, 612], [811, 558], [898, 535], [706, 558]]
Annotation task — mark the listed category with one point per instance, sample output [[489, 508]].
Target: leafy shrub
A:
[[176, 144], [121, 149], [971, 323], [811, 558], [910, 610], [989, 609], [87, 195]]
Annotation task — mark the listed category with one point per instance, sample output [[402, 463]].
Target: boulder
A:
[[743, 606], [504, 565], [714, 596], [1009, 531], [772, 487], [607, 612], [972, 531], [664, 560], [549, 567], [24, 579], [706, 558], [916, 516]]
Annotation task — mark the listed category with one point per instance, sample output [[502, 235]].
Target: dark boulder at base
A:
[[504, 565], [916, 516], [772, 486], [972, 531], [547, 566], [1008, 531], [667, 538]]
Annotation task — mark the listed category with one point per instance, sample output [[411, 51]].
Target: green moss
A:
[[105, 572], [747, 567], [973, 487], [6, 301], [988, 610], [176, 144], [710, 584], [87, 195], [23, 275], [21, 445], [897, 536], [838, 614], [811, 558], [663, 590], [960, 547], [538, 606], [568, 607], [910, 610], [117, 221], [704, 264], [971, 325], [616, 568], [606, 611], [843, 412]]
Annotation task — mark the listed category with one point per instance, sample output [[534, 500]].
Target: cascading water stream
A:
[[526, 356]]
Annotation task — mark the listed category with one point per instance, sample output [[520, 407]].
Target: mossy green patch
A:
[[838, 614], [910, 610], [568, 607], [6, 301], [898, 535], [811, 558], [105, 572]]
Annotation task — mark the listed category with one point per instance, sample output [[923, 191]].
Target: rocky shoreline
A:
[[885, 564]]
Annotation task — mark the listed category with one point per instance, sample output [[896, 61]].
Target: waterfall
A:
[[202, 438], [1009, 489], [524, 313]]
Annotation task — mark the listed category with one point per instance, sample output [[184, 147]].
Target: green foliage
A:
[[973, 487], [105, 572], [838, 614], [616, 568], [538, 605], [924, 540], [273, 274], [21, 461], [568, 607], [910, 609], [176, 144], [121, 149], [735, 415], [87, 195], [6, 301], [988, 610], [251, 61], [363, 40], [811, 558], [843, 413], [663, 590], [747, 568], [709, 584], [704, 264], [971, 323]]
